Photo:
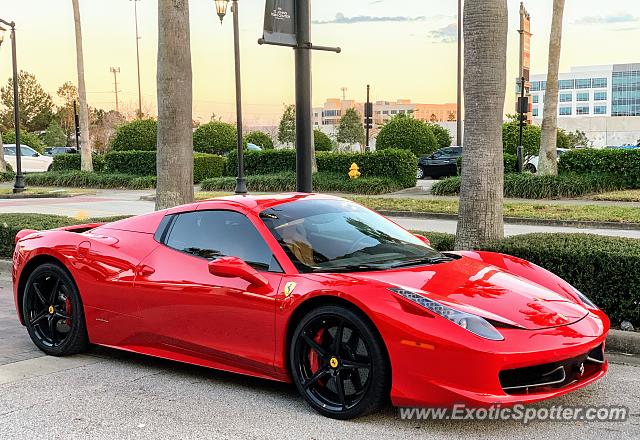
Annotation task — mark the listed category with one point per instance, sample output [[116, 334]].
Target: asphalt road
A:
[[107, 394]]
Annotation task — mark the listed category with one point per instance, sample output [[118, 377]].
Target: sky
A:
[[404, 49]]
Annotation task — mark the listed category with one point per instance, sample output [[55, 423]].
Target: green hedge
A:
[[531, 186], [207, 166], [138, 135], [399, 165], [407, 133], [85, 179], [621, 162], [606, 269], [322, 182], [215, 137], [137, 163]]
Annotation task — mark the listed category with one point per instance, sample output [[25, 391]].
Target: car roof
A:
[[258, 203]]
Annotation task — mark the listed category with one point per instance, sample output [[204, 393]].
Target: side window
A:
[[214, 234]]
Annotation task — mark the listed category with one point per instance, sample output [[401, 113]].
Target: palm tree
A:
[[175, 138], [485, 68], [548, 162], [85, 151]]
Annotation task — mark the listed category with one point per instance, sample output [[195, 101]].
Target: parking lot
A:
[[110, 394]]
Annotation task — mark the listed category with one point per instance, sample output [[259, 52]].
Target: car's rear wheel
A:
[[338, 363], [420, 172], [53, 312], [530, 167]]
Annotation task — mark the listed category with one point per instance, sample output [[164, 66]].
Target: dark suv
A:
[[441, 163], [54, 151]]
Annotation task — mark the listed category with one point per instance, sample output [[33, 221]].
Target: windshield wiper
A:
[[426, 260], [350, 268]]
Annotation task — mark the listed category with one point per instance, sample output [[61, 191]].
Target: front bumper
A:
[[434, 371]]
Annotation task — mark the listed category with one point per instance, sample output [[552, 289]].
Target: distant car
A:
[[441, 163], [531, 163], [54, 151], [31, 160], [253, 147]]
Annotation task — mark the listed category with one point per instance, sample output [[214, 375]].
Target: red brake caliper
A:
[[67, 308], [314, 359]]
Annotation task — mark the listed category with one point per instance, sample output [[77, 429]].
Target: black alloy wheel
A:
[[338, 363], [53, 312]]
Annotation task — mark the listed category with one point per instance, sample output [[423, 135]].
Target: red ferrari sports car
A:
[[314, 290]]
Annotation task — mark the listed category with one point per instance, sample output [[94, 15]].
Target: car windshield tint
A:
[[337, 235]]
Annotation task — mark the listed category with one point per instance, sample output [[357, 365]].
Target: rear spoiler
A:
[[73, 228]]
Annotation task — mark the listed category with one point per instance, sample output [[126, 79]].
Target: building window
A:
[[385, 112], [582, 96], [565, 111], [543, 85], [625, 97], [534, 112], [600, 96], [582, 110], [394, 112], [599, 82], [535, 86], [600, 110], [565, 84], [583, 83], [535, 98], [401, 112], [566, 97]]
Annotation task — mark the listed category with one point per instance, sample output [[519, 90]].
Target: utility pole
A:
[[115, 71], [523, 108], [135, 12], [76, 123], [344, 93], [368, 117], [459, 105]]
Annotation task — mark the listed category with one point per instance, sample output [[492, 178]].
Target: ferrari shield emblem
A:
[[288, 288]]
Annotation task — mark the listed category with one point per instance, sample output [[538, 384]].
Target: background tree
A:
[[54, 136], [3, 163], [548, 163], [86, 161], [141, 134], [408, 134], [321, 142], [485, 68], [287, 126], [260, 139], [68, 92], [578, 138], [215, 137], [442, 134], [104, 126], [29, 139], [175, 103], [36, 106], [350, 128], [451, 117]]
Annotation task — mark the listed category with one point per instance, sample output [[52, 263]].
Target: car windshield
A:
[[341, 236]]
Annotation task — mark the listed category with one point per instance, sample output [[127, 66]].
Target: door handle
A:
[[145, 270]]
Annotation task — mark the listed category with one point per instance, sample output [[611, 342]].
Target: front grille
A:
[[540, 378]]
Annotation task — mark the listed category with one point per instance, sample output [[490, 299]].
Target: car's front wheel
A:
[[53, 311], [338, 363], [531, 168], [420, 172]]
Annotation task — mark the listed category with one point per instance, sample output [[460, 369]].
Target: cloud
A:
[[375, 2], [447, 34], [608, 19], [342, 19]]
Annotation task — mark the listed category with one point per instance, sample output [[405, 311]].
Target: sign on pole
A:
[[280, 22]]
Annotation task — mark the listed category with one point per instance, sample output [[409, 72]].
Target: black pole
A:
[[18, 186], [304, 133], [76, 125], [241, 183], [521, 125], [366, 117], [459, 105]]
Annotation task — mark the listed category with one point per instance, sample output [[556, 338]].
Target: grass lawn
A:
[[204, 195], [629, 195], [42, 191]]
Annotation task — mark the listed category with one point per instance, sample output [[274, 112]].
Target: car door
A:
[[187, 309], [440, 162], [10, 156]]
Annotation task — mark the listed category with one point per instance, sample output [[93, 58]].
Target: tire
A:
[[53, 311], [420, 173], [531, 168], [346, 383]]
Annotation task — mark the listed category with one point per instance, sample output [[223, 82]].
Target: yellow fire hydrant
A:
[[353, 171]]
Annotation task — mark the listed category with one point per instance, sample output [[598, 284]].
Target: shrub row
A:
[[398, 165], [322, 182], [606, 269], [623, 163], [531, 186], [85, 179], [140, 163]]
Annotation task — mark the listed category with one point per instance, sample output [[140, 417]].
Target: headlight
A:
[[473, 323], [584, 299]]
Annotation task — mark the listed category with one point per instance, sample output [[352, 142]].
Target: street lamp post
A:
[[18, 186], [221, 10]]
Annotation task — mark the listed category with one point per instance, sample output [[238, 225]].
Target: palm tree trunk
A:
[[85, 151], [548, 162], [485, 69], [175, 138], [3, 163]]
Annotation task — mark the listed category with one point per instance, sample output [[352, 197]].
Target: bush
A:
[[29, 139], [530, 138], [71, 161], [141, 135], [215, 137], [260, 139], [531, 186], [606, 269], [398, 165], [85, 179], [322, 182], [206, 166], [620, 162], [321, 142], [137, 163], [443, 136], [408, 134]]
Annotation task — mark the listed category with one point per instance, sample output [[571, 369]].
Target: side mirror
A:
[[424, 239], [233, 267], [35, 155]]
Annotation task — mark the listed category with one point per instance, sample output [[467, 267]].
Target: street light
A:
[[18, 186], [221, 9]]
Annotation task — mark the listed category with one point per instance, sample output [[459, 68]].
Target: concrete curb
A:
[[521, 221]]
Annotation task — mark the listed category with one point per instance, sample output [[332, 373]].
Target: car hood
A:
[[485, 290]]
